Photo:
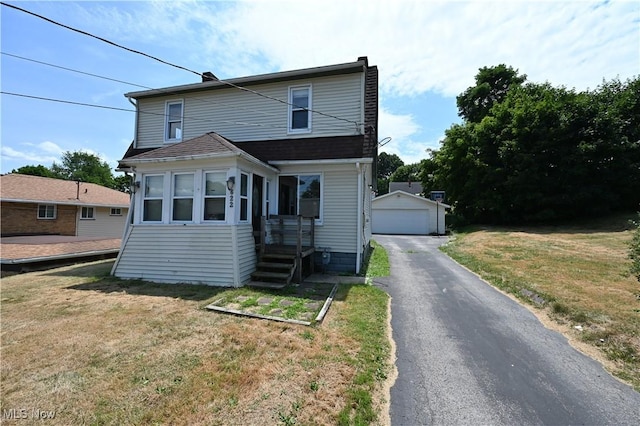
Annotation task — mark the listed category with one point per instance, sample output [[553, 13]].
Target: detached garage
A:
[[403, 213]]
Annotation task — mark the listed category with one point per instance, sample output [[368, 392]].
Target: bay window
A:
[[183, 197], [152, 198], [215, 193]]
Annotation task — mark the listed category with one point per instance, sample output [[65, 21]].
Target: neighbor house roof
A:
[[36, 189], [410, 187], [399, 193]]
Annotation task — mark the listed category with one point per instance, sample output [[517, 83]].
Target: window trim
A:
[[113, 209], [46, 216], [206, 197], [319, 219], [87, 213], [168, 121], [173, 196], [145, 198], [291, 109]]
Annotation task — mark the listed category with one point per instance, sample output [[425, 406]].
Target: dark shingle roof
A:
[[209, 144]]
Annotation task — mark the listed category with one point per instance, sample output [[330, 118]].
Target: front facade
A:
[[210, 160], [34, 205]]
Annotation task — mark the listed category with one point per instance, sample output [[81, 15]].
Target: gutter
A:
[[245, 156], [359, 225], [328, 161]]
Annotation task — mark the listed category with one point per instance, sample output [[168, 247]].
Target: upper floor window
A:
[[173, 127], [183, 197], [87, 213], [46, 211], [299, 105], [152, 202]]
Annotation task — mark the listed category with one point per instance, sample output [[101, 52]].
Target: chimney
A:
[[208, 76]]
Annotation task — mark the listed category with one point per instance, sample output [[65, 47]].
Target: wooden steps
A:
[[274, 269]]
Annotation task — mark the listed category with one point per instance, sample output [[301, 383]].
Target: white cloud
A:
[[44, 153], [403, 130]]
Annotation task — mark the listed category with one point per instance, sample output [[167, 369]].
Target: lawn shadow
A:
[[145, 288]]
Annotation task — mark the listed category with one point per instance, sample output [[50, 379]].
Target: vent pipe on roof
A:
[[208, 76]]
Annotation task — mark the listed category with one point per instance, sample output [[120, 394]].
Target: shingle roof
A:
[[323, 148], [209, 144], [26, 188]]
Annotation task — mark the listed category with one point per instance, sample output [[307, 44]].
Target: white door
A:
[[408, 222]]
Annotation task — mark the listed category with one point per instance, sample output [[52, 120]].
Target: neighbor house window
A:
[[244, 196], [215, 193], [173, 128], [183, 197], [87, 213], [300, 195], [299, 105], [46, 211], [152, 198], [115, 212]]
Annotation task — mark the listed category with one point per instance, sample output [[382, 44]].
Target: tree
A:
[[387, 164], [492, 86], [406, 173], [122, 183], [38, 170], [84, 167]]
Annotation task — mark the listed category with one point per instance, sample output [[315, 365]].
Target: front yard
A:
[[92, 349]]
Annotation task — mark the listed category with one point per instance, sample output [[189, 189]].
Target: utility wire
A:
[[76, 71], [357, 124]]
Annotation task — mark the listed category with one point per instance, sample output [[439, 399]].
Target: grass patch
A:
[[580, 271], [98, 350]]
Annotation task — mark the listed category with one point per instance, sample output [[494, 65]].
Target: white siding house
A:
[[211, 159]]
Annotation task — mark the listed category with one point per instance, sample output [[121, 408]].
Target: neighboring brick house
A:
[[34, 205]]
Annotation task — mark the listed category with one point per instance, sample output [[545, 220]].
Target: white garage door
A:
[[411, 222]]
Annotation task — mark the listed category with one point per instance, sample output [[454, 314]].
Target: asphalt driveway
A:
[[469, 355]]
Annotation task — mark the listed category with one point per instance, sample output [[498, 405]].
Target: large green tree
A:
[[387, 165], [38, 170], [533, 152], [84, 167]]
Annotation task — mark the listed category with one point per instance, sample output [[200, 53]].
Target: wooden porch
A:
[[285, 246]]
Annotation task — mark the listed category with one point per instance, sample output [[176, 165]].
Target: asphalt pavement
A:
[[469, 355]]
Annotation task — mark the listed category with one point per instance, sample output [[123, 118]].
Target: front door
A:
[[257, 203]]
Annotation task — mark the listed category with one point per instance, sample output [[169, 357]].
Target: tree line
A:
[[79, 166], [534, 153]]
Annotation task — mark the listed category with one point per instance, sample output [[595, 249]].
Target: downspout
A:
[[359, 225]]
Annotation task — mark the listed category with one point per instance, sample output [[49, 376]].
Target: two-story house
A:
[[209, 160]]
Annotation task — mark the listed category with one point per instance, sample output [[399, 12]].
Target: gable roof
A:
[[36, 189], [399, 193], [209, 145], [350, 67]]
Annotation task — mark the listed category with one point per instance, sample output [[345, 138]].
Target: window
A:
[[244, 196], [215, 193], [152, 204], [115, 212], [173, 131], [300, 195], [183, 197], [46, 211], [299, 114], [87, 213]]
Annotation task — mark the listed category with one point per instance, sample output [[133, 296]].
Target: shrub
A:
[[634, 250]]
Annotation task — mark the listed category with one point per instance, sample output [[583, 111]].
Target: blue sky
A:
[[427, 52]]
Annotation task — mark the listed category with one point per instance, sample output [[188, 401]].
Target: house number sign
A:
[[231, 198]]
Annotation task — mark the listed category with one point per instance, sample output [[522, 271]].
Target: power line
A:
[[97, 37], [74, 70], [228, 83]]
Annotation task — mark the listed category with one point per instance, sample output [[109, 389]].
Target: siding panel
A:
[[172, 254], [244, 116], [104, 225]]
